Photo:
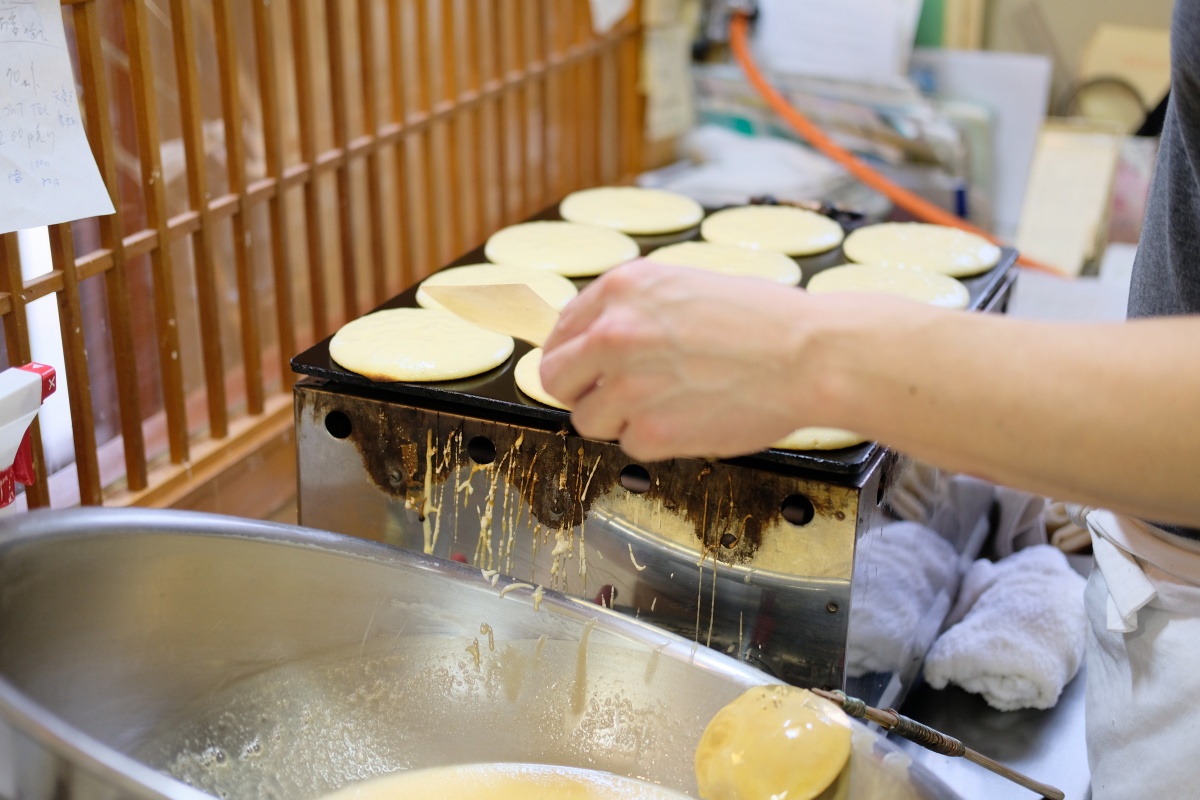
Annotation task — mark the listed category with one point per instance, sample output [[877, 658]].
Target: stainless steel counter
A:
[[1048, 746]]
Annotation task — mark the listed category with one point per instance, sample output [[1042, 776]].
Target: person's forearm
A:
[[1100, 414]]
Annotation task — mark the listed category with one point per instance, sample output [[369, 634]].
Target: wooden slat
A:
[[266, 55], [445, 136], [471, 187], [514, 109], [79, 397], [306, 114], [341, 139], [397, 85], [235, 162], [588, 138], [496, 138], [421, 202], [631, 107], [16, 339], [377, 250], [532, 113], [149, 152], [120, 311], [202, 247]]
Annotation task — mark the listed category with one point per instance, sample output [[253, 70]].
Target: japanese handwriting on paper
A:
[[49, 174]]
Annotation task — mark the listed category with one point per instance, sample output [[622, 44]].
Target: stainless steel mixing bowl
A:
[[142, 651]]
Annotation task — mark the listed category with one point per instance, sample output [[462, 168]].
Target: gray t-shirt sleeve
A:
[[1166, 272]]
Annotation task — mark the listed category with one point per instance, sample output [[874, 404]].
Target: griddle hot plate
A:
[[494, 395]]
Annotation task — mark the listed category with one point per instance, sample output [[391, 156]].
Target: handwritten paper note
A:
[[47, 173]]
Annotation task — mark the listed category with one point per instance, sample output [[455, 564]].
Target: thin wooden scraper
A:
[[511, 308]]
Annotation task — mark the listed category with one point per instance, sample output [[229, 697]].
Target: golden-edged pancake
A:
[[528, 377]]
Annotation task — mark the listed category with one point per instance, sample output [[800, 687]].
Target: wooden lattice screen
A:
[[277, 169]]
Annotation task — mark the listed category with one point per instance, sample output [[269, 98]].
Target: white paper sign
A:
[[857, 40], [47, 173]]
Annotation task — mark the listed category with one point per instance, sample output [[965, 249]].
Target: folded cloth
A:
[[899, 572], [1017, 631], [1067, 532]]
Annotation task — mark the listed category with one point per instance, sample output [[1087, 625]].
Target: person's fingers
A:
[[584, 309], [575, 318], [567, 372], [599, 414], [649, 438]]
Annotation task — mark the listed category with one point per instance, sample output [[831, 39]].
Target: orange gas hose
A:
[[915, 204]]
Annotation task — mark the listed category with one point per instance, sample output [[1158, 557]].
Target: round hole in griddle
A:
[[797, 509], [481, 450], [338, 424], [636, 478]]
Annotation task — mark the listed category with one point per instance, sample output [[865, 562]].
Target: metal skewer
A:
[[894, 722]]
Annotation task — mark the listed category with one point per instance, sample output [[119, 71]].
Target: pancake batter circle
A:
[[631, 209], [934, 288], [568, 248], [729, 259], [417, 344], [527, 375], [818, 439], [919, 245], [792, 231]]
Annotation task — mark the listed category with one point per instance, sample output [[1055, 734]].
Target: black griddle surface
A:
[[494, 393]]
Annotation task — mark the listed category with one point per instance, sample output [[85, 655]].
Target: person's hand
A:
[[671, 361]]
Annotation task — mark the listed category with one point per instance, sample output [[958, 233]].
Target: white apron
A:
[[1143, 662]]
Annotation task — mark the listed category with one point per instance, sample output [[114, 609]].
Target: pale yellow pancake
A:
[[935, 248], [730, 259], [933, 288], [792, 231], [417, 344], [504, 782], [631, 209], [818, 439], [568, 248]]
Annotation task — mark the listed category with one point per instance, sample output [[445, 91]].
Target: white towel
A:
[[1020, 632], [899, 572]]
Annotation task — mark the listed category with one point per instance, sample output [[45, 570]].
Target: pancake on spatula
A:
[[556, 290]]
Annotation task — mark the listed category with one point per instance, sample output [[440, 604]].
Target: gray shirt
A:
[[1166, 271]]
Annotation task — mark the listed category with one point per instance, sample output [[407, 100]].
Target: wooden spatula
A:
[[511, 308]]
